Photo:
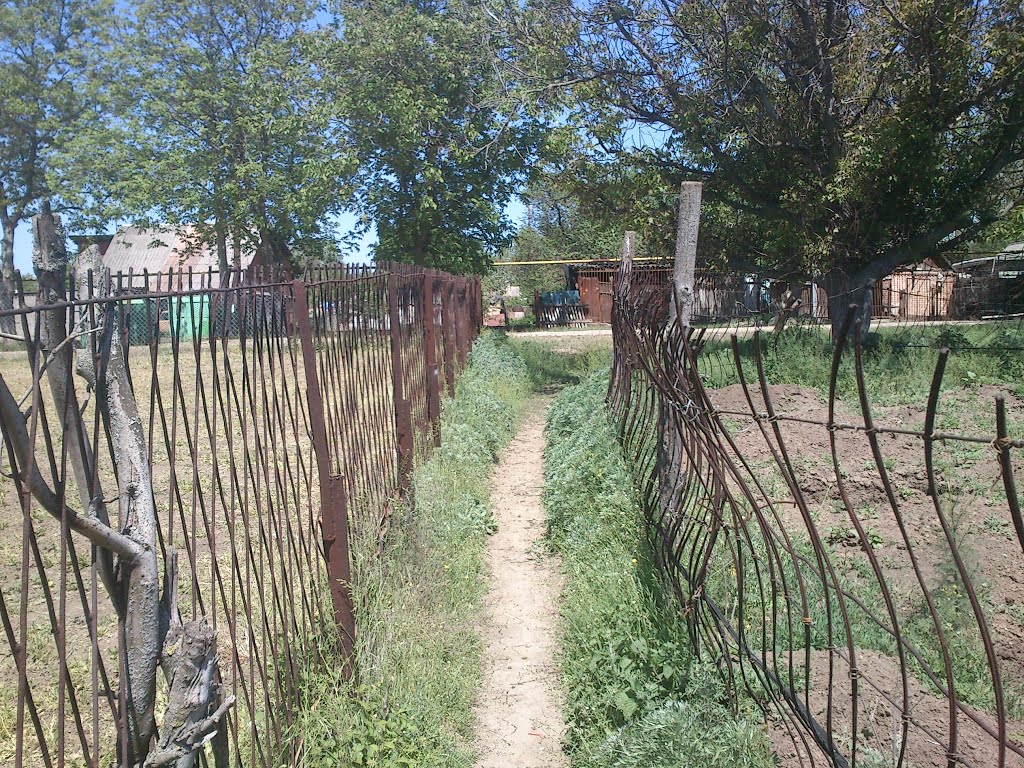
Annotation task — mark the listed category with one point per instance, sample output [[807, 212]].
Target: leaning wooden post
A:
[[680, 313], [681, 305], [402, 407]]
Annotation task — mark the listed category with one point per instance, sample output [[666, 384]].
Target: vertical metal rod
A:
[[403, 411], [333, 503], [430, 351], [1006, 469]]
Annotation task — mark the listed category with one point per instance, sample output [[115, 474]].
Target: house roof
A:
[[161, 249]]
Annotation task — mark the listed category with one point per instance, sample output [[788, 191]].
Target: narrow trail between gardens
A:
[[519, 707]]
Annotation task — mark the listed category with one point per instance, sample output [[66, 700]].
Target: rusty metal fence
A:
[[187, 464], [849, 555]]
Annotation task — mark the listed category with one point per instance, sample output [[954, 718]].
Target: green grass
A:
[[898, 363], [550, 368], [418, 655], [634, 697]]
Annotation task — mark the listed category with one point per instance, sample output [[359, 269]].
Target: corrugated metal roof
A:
[[160, 250]]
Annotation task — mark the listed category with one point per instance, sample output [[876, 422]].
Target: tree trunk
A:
[[223, 267], [236, 258], [788, 306], [196, 706], [7, 287], [136, 592], [846, 294], [273, 250]]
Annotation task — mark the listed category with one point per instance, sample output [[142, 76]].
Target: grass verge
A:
[[898, 363], [634, 697], [551, 367], [418, 654]]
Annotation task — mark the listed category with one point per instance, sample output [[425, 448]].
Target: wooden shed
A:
[[922, 293]]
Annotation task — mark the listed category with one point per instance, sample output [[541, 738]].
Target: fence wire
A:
[[278, 419], [839, 521]]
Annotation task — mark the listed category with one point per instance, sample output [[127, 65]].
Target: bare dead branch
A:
[[15, 430]]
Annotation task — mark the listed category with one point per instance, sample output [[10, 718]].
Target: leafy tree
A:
[[568, 218], [224, 121], [836, 138], [443, 137], [46, 55], [560, 224]]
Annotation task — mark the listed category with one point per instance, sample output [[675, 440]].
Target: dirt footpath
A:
[[519, 708]]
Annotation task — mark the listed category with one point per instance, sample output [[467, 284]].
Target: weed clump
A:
[[695, 730]]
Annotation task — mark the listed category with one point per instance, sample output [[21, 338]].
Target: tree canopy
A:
[[837, 139], [442, 135], [48, 87], [221, 118], [852, 135]]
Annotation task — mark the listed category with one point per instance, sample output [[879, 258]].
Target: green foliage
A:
[[418, 605], [48, 52], [828, 135], [224, 120], [632, 693], [443, 142]]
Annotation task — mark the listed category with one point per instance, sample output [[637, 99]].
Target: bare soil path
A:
[[519, 708]]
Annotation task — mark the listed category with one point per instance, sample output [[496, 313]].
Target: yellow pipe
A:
[[594, 262]]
